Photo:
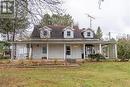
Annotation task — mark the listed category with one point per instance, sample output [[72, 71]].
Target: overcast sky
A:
[[114, 15]]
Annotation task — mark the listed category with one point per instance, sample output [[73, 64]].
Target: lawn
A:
[[103, 74]]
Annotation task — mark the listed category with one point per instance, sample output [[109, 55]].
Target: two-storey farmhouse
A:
[[58, 42]]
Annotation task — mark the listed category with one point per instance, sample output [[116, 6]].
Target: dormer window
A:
[[88, 34], [45, 33], [68, 33]]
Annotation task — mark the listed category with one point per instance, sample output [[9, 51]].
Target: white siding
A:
[[37, 51], [76, 51], [21, 51], [56, 51]]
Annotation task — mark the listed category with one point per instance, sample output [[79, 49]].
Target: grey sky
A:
[[113, 17]]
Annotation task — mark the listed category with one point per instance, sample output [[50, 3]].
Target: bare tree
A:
[[29, 11]]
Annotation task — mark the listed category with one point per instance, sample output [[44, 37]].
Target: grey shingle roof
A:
[[56, 32], [36, 33]]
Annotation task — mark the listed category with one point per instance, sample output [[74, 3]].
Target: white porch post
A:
[[64, 51], [108, 51], [47, 51], [115, 50], [30, 51], [84, 50], [12, 52], [100, 48]]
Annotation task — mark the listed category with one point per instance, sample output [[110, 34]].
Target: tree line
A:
[[56, 19]]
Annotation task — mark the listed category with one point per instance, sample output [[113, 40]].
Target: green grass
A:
[[103, 74]]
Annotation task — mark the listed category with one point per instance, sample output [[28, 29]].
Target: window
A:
[[45, 33], [44, 49], [88, 33], [7, 7], [68, 33], [68, 50]]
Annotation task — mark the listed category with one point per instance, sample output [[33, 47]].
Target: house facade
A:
[[59, 42]]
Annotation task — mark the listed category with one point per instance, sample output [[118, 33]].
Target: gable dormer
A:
[[68, 32], [45, 32], [88, 33]]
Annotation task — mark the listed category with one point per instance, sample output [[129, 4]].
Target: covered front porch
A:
[[62, 50]]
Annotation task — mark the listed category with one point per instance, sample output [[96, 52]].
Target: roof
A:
[[36, 33], [56, 32]]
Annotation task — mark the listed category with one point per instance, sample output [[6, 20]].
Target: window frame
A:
[[68, 33], [45, 33], [44, 49], [88, 34]]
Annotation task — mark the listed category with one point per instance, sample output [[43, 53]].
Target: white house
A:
[[59, 42]]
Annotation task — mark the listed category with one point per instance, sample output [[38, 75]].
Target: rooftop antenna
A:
[[99, 3], [91, 18]]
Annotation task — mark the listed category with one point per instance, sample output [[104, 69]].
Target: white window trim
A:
[[45, 28]]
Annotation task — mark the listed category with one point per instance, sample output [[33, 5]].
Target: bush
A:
[[96, 57], [124, 59], [123, 49], [4, 57]]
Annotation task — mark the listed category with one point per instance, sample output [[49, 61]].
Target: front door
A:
[[68, 51]]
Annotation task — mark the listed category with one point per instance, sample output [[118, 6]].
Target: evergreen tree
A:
[[99, 33], [46, 20], [56, 19]]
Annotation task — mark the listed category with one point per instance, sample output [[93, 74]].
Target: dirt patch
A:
[[12, 82]]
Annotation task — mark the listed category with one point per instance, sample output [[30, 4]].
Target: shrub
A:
[[123, 49], [97, 57], [4, 57]]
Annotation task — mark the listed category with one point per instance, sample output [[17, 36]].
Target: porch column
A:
[[100, 48], [64, 51], [84, 50], [108, 51], [47, 51], [116, 51], [12, 52], [30, 51]]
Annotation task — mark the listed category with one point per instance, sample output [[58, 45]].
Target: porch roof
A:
[[68, 41]]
